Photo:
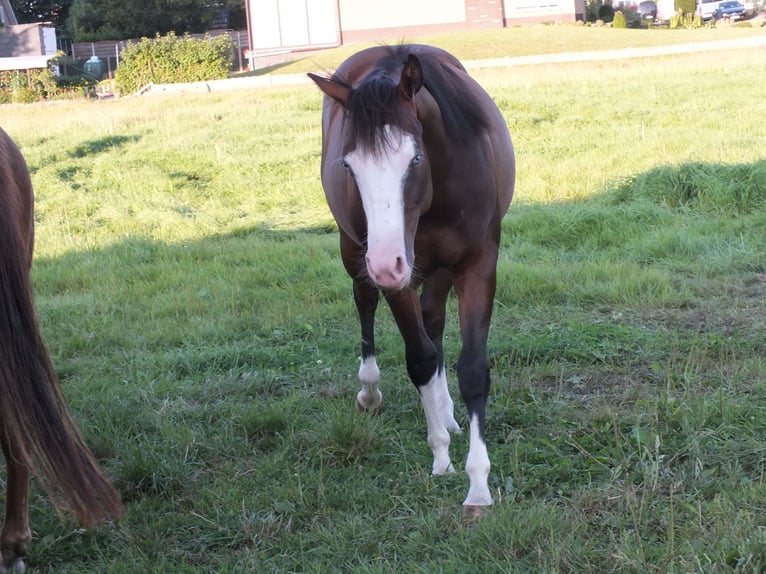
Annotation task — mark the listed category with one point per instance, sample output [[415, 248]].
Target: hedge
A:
[[171, 60]]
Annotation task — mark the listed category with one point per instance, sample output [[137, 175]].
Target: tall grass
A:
[[202, 325]]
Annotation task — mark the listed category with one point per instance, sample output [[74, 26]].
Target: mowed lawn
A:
[[203, 328]]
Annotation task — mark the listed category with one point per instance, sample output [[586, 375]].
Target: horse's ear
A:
[[336, 91], [412, 77]]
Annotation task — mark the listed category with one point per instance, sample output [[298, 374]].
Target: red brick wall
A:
[[484, 14]]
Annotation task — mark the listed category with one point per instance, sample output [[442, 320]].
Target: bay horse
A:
[[418, 170], [37, 432]]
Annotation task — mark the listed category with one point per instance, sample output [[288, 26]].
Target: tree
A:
[[118, 20], [28, 11]]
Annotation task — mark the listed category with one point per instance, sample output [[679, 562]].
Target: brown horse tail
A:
[[35, 421]]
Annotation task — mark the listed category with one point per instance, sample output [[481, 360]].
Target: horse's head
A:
[[383, 154]]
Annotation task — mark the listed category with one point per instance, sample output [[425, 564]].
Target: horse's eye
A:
[[345, 165], [417, 159]]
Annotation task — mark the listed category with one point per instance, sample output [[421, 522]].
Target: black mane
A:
[[374, 102]]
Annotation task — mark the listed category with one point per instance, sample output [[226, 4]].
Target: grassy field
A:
[[202, 325], [526, 41]]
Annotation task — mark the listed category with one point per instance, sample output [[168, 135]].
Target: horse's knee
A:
[[473, 379]]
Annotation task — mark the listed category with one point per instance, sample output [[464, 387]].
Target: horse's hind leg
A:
[[16, 535], [476, 290], [369, 397]]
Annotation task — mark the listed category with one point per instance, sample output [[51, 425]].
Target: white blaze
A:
[[380, 179]]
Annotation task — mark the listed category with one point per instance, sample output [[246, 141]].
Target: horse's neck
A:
[[434, 133]]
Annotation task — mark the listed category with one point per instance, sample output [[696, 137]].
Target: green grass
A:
[[525, 41], [191, 293]]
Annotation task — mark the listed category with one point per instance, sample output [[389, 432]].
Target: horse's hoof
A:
[[18, 567], [369, 404], [473, 513], [437, 470]]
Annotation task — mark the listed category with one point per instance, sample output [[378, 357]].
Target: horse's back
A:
[[356, 67]]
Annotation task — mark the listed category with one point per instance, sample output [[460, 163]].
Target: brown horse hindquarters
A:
[[36, 430]]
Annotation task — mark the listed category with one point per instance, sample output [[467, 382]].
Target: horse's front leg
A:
[[476, 291], [433, 301], [366, 297], [369, 397], [427, 373], [16, 535]]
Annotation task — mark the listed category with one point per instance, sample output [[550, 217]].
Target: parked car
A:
[[730, 10], [640, 15], [648, 11]]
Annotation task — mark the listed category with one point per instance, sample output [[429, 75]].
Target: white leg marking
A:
[[437, 405], [477, 468], [446, 406], [370, 397]]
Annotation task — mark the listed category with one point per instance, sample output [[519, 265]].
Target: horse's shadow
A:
[[278, 301]]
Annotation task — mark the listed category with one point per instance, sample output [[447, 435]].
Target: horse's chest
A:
[[445, 241]]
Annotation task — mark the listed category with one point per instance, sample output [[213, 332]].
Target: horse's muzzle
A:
[[391, 273]]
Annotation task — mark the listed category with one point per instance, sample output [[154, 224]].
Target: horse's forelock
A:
[[372, 106]]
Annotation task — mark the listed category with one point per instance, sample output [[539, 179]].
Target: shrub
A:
[[73, 86], [619, 20], [685, 6], [606, 13], [591, 10], [169, 60], [24, 87], [688, 21]]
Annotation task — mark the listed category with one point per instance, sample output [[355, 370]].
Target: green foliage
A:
[[688, 21], [90, 20], [606, 12], [54, 11], [24, 87], [685, 6], [619, 20], [592, 9], [169, 59]]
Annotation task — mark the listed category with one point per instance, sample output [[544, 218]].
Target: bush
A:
[[685, 6], [688, 21], [170, 60], [606, 13], [24, 87]]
